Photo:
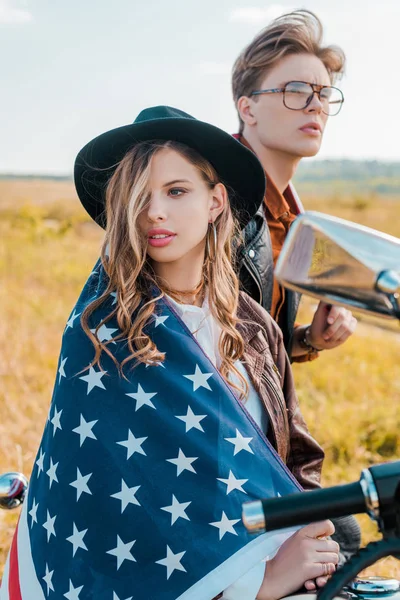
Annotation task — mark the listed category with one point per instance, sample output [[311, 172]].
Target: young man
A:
[[284, 92], [282, 88]]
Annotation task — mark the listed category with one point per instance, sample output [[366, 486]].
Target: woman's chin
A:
[[164, 255]]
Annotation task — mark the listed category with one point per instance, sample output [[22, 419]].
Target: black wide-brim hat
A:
[[237, 167]]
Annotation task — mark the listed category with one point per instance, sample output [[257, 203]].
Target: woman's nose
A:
[[156, 210]]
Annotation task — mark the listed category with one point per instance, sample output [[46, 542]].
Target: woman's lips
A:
[[160, 239]]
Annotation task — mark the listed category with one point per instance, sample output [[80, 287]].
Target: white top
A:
[[206, 330]]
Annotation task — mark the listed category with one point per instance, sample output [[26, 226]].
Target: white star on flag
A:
[[225, 525], [133, 444], [47, 579], [172, 562], [33, 512], [84, 430], [114, 295], [240, 443], [81, 484], [122, 551], [76, 539], [52, 473], [61, 369], [73, 592], [40, 460], [115, 597], [199, 379], [70, 322], [155, 364], [160, 320], [126, 495], [182, 463], [142, 398], [104, 333], [56, 420], [177, 510], [233, 484], [49, 526], [94, 379], [191, 420]]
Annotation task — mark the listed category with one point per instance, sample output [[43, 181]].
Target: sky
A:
[[73, 69]]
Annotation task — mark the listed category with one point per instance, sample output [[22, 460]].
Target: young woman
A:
[[174, 400]]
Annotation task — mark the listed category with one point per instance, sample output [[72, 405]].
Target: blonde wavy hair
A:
[[130, 271], [297, 32]]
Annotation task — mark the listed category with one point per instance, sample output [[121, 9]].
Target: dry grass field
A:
[[350, 396]]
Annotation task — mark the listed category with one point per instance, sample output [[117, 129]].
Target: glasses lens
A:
[[296, 95], [332, 100]]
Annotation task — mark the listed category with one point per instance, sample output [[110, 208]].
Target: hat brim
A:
[[237, 167]]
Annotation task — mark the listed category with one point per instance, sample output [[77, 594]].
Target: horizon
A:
[[305, 163]]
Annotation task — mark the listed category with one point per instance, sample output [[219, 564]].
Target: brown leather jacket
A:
[[269, 368]]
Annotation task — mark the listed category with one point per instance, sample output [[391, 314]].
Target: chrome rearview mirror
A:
[[342, 262]]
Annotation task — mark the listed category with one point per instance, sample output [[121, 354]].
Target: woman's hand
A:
[[306, 558], [331, 326]]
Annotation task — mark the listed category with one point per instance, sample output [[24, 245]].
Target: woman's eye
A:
[[176, 192]]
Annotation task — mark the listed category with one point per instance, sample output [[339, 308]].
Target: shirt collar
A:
[[275, 202], [182, 309]]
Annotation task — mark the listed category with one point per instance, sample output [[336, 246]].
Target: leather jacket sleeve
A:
[[305, 455]]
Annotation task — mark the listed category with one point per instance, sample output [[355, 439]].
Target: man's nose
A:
[[315, 104]]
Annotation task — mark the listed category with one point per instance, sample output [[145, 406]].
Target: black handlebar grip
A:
[[302, 508]]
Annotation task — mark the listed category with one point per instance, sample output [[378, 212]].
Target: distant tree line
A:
[[347, 170], [32, 176], [323, 177]]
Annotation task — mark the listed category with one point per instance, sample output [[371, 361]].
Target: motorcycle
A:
[[341, 263]]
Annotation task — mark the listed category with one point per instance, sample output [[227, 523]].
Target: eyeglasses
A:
[[297, 95]]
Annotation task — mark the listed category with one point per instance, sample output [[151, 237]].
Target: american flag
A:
[[138, 484]]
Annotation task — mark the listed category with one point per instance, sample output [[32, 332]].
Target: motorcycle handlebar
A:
[[299, 509], [376, 491]]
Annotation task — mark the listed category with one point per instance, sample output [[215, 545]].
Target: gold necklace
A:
[[182, 296]]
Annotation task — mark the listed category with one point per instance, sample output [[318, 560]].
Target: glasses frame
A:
[[317, 89]]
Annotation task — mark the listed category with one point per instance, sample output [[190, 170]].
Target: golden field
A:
[[349, 396]]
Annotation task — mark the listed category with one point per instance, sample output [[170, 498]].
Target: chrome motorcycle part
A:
[[13, 488], [342, 262], [370, 494], [253, 516], [374, 585]]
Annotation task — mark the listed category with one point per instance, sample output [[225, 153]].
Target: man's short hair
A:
[[298, 32]]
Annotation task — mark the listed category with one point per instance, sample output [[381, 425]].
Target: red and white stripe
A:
[[20, 581]]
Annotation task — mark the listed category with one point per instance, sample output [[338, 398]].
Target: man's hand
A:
[[306, 558], [331, 326]]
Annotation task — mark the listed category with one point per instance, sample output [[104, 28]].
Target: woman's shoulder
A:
[[251, 314]]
